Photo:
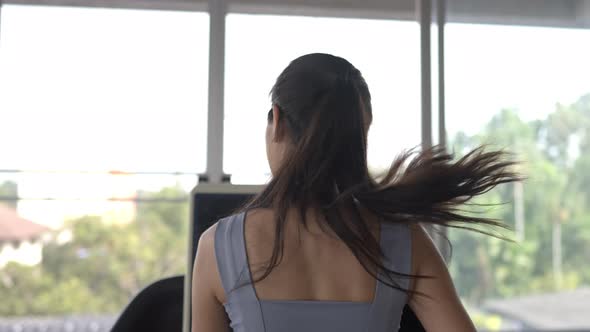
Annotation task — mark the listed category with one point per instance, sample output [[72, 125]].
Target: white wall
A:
[[26, 253]]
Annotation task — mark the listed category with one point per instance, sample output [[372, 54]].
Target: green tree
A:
[[104, 265], [555, 155]]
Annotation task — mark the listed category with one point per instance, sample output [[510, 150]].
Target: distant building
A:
[[21, 240], [71, 196], [559, 311]]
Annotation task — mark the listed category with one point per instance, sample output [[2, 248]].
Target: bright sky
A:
[[104, 89]]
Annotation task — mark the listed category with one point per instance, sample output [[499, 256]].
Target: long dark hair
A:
[[325, 106]]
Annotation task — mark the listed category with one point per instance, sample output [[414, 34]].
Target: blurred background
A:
[[110, 111]]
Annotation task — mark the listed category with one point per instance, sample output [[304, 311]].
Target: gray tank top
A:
[[247, 313]]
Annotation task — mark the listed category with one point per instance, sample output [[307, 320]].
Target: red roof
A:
[[13, 227]]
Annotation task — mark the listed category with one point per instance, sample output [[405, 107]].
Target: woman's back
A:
[[316, 264], [318, 286]]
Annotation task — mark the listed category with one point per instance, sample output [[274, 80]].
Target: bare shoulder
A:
[[206, 246], [207, 239], [420, 238], [435, 302], [205, 270], [260, 223], [424, 252], [259, 235], [259, 217], [207, 294]]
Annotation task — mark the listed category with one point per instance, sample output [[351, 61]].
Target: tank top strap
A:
[[230, 252], [396, 243], [387, 308], [242, 305]]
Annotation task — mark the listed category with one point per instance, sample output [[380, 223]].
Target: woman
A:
[[325, 247]]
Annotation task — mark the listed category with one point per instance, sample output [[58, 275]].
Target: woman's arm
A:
[[439, 309], [208, 314]]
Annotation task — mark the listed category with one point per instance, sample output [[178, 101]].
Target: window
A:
[[82, 92], [103, 117], [259, 47], [524, 89]]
